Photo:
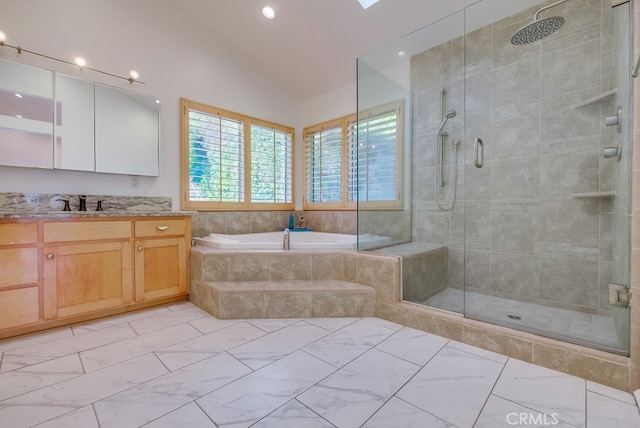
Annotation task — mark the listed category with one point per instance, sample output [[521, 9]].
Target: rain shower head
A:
[[539, 28]]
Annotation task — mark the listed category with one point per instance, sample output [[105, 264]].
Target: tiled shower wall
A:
[[525, 236]]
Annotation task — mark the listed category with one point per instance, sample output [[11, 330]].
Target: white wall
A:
[[174, 57]]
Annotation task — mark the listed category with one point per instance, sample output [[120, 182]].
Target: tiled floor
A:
[[175, 366], [582, 328]]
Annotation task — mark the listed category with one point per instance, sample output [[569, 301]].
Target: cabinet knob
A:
[[162, 227], [49, 256], [140, 248]]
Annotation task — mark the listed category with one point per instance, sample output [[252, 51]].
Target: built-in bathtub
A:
[[305, 240]]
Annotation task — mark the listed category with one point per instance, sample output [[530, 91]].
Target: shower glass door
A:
[[547, 182]]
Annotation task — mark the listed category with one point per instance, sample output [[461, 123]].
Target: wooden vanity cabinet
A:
[[161, 253], [19, 274], [57, 271]]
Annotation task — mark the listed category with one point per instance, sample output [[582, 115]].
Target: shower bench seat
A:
[[285, 299]]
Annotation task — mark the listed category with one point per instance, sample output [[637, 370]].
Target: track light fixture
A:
[[79, 61]]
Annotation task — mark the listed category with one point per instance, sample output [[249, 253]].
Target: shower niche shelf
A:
[[599, 99], [588, 195]]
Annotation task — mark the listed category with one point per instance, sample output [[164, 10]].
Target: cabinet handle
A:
[[49, 256], [162, 227], [140, 248]]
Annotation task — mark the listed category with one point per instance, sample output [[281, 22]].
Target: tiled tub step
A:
[[286, 299]]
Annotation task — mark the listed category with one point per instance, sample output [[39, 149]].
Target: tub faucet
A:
[[285, 239]]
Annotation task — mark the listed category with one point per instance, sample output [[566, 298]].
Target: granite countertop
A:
[[84, 214]]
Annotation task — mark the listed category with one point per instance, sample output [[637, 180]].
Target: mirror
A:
[[26, 116], [127, 132], [49, 120], [73, 132]]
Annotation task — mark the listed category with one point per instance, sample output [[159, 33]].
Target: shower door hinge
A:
[[619, 295]]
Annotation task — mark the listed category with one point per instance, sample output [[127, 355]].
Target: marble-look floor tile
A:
[[37, 376], [118, 319], [293, 415], [413, 345], [332, 324], [199, 348], [168, 393], [452, 386], [489, 355], [607, 391], [209, 324], [501, 413], [97, 358], [604, 411], [271, 325], [10, 344], [544, 390], [399, 413], [55, 400], [189, 416], [276, 345], [38, 353], [84, 417], [258, 394], [348, 343], [348, 397], [169, 319]]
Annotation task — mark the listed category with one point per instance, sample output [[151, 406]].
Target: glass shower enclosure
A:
[[515, 165]]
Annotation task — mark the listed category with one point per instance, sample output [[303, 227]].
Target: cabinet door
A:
[[82, 278], [19, 307], [161, 268]]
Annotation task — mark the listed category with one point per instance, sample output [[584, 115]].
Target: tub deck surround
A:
[[286, 299], [284, 284]]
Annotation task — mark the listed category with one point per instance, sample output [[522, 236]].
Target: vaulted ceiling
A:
[[311, 46]]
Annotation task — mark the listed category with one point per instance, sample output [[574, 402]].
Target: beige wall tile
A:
[[239, 305], [591, 368], [333, 304], [495, 341], [288, 305]]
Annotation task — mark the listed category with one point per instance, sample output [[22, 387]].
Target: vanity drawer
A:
[[153, 228], [86, 231], [18, 233]]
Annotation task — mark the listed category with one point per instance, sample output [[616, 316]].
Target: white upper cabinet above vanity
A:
[[49, 120], [26, 116], [74, 127]]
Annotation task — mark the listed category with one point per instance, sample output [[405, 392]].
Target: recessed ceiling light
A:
[[81, 61], [3, 36], [366, 3], [401, 53], [18, 95], [268, 12]]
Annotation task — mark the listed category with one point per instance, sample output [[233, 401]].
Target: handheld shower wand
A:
[[450, 115]]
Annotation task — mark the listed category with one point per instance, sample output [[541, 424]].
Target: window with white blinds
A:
[[375, 138], [349, 161], [234, 162], [323, 164]]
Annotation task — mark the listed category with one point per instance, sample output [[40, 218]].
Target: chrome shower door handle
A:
[[479, 161]]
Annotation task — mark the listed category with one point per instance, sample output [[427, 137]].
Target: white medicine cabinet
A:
[[50, 120]]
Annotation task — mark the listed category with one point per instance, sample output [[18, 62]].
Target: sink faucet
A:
[[285, 239]]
